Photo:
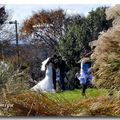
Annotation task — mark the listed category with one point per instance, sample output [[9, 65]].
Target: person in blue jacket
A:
[[85, 74]]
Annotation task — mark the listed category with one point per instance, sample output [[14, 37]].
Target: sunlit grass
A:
[[67, 103], [75, 95]]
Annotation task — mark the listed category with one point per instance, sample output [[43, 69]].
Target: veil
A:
[[43, 64]]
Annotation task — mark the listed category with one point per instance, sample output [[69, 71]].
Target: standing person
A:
[[85, 74], [61, 66], [54, 70], [46, 85]]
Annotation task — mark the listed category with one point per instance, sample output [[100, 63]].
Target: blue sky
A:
[[24, 8], [20, 11]]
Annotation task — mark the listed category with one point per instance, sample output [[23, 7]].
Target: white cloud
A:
[[75, 12], [86, 14], [70, 12]]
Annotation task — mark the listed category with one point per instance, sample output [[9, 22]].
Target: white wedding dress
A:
[[46, 85]]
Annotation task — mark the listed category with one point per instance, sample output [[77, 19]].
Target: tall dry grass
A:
[[40, 104], [29, 103], [107, 53], [99, 106]]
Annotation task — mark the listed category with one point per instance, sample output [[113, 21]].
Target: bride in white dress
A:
[[46, 85]]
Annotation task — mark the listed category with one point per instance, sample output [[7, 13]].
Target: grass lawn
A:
[[76, 95]]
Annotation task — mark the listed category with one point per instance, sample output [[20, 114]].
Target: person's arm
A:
[[47, 64], [53, 66], [58, 67], [64, 66]]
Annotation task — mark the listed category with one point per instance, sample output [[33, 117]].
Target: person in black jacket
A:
[[61, 66], [54, 70]]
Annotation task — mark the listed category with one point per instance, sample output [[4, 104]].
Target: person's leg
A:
[[63, 81], [84, 88], [54, 80], [62, 76]]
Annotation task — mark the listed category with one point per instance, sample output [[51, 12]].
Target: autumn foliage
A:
[[46, 26]]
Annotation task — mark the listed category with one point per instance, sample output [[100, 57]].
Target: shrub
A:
[[3, 72], [71, 81]]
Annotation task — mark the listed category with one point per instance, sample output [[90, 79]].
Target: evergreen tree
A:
[[97, 22], [71, 45], [82, 31]]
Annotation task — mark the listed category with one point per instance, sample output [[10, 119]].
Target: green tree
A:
[[71, 45], [5, 32], [3, 15], [97, 22], [71, 48], [82, 31]]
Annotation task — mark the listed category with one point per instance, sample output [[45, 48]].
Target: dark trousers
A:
[[54, 79], [62, 77], [84, 87]]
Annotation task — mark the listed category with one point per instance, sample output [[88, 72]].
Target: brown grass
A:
[[100, 106], [38, 104], [29, 103]]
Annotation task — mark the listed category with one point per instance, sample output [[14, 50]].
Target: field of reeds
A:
[[16, 99], [68, 103]]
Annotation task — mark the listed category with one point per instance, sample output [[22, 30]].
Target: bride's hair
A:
[[49, 61]]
